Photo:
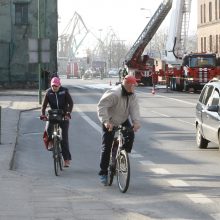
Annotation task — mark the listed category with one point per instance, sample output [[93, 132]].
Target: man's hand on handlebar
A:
[[136, 126], [109, 126]]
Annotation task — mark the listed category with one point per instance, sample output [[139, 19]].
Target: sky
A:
[[124, 17]]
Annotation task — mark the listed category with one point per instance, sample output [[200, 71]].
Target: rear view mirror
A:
[[213, 108]]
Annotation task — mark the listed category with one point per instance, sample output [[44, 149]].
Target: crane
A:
[[68, 44]]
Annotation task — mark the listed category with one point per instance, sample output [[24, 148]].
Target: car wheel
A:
[[200, 140]]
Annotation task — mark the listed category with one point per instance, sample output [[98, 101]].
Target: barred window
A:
[[21, 13]]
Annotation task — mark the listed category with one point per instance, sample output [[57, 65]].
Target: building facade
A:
[[20, 22], [208, 29]]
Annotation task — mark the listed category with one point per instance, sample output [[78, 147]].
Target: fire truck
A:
[[186, 71], [196, 70], [137, 64]]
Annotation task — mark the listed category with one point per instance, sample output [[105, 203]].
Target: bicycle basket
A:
[[55, 115]]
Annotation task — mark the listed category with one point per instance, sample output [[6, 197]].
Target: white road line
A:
[[216, 216], [199, 198], [158, 113], [86, 118], [147, 162], [177, 183], [160, 171], [136, 155], [185, 122]]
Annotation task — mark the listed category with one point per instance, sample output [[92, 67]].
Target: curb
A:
[[11, 163]]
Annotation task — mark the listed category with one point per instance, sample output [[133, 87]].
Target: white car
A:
[[114, 72]]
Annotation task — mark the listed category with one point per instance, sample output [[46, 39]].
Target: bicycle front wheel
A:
[[123, 171], [56, 157]]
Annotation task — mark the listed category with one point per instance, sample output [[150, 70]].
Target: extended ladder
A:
[[148, 32]]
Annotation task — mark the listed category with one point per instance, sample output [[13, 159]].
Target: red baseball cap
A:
[[130, 79]]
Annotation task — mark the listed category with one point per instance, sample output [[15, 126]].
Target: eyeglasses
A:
[[54, 86]]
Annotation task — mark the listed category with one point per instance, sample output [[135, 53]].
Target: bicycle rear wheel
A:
[[56, 157], [123, 171]]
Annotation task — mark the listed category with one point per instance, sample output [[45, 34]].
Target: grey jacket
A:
[[116, 108]]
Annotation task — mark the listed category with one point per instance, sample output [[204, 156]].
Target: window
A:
[[216, 10], [201, 13], [202, 45], [207, 95], [210, 11], [219, 9], [215, 98], [216, 40], [210, 43], [21, 13], [204, 8]]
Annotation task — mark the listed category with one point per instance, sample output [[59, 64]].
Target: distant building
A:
[[18, 24], [208, 31]]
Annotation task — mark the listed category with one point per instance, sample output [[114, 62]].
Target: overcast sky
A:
[[125, 17]]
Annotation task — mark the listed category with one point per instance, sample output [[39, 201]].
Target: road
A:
[[170, 177]]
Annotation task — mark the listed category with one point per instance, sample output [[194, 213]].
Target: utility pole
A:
[[41, 33], [39, 49]]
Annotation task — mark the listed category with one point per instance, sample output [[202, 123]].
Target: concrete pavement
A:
[[14, 188]]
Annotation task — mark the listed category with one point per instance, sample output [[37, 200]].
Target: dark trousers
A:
[[65, 139], [107, 140]]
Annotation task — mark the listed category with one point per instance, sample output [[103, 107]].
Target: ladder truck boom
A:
[[134, 64]]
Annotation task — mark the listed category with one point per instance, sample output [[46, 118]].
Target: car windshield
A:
[[202, 61]]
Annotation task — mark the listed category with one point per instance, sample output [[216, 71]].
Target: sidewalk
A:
[[14, 203]]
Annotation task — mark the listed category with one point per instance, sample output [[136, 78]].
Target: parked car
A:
[[114, 72], [208, 115]]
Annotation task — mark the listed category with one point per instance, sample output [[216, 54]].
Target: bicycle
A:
[[119, 165], [55, 116]]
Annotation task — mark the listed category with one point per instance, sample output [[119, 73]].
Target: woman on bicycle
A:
[[114, 108], [58, 97]]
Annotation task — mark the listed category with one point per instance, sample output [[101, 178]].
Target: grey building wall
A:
[[15, 69]]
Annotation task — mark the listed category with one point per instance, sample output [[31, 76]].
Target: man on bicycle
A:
[[117, 106], [58, 97]]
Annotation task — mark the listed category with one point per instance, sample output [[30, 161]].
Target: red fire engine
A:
[[186, 71], [141, 66]]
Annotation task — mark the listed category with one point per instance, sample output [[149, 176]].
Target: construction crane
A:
[[72, 36], [68, 44]]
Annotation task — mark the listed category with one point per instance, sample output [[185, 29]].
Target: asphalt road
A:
[[170, 177]]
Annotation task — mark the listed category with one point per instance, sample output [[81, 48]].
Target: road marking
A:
[[147, 162], [199, 198], [177, 183], [158, 113], [86, 118], [216, 216], [160, 171], [185, 122], [136, 155]]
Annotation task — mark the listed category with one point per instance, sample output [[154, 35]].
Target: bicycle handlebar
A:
[[123, 128]]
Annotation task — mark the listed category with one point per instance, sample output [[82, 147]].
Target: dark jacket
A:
[[57, 100]]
